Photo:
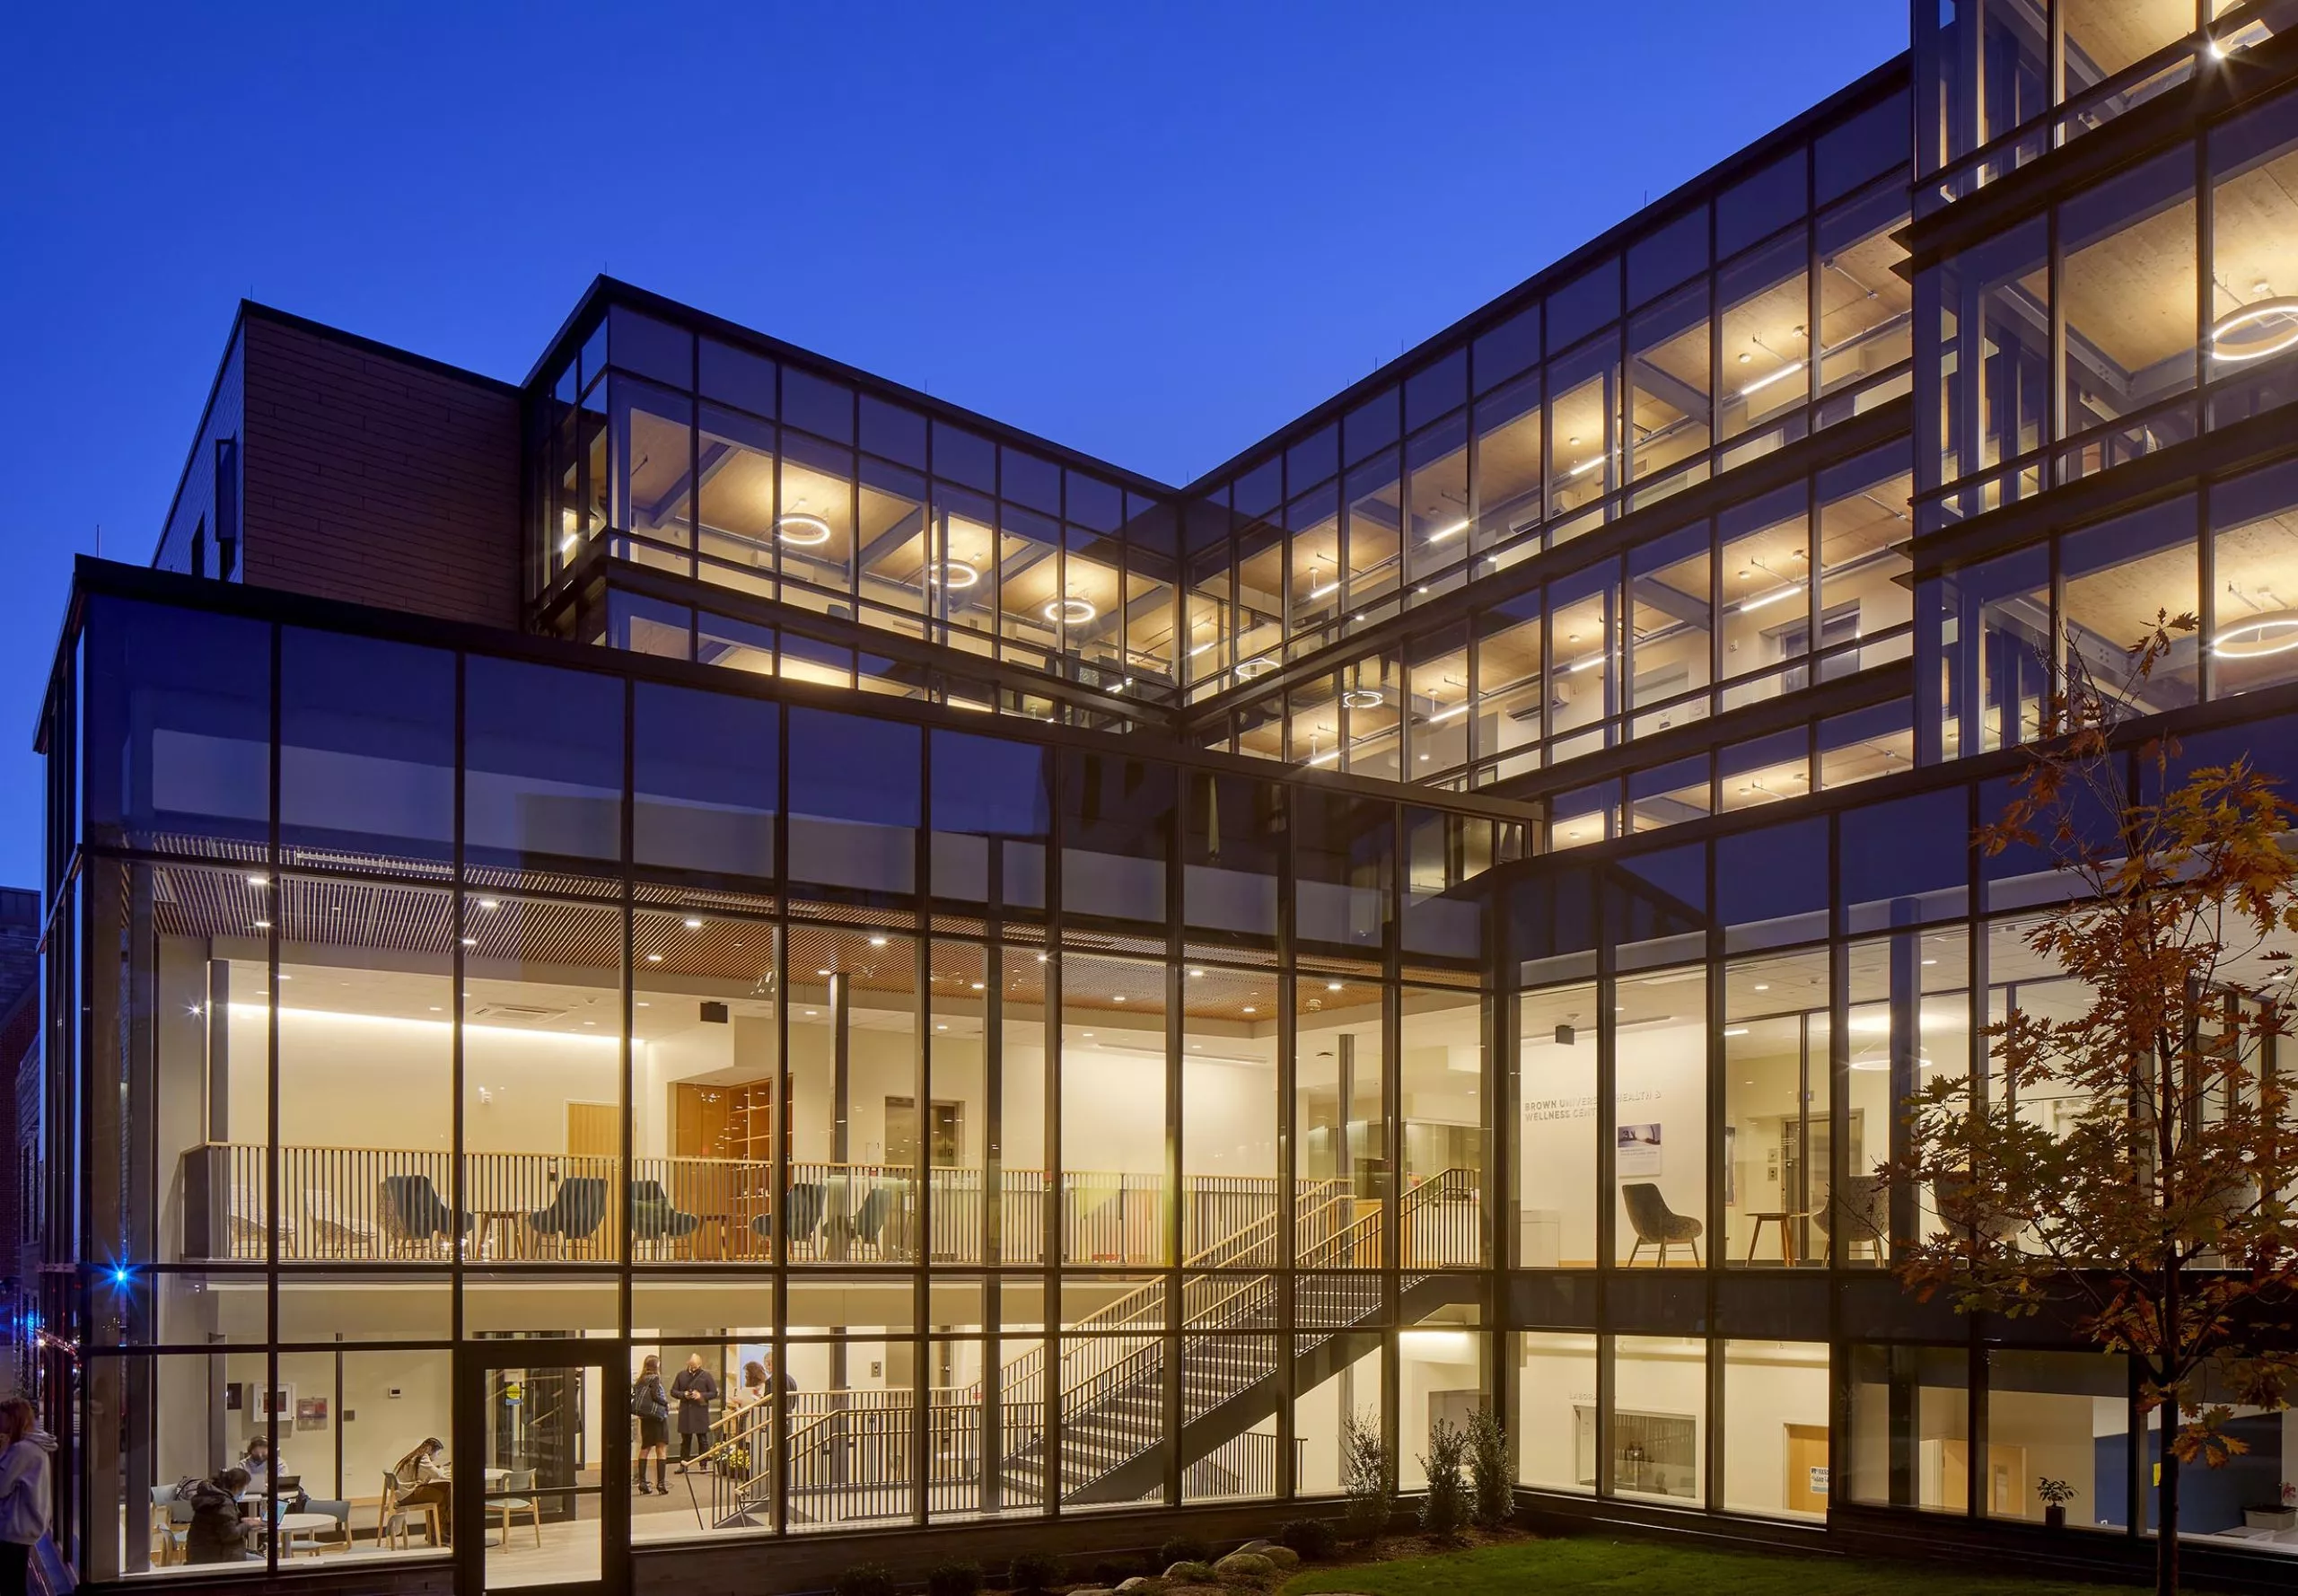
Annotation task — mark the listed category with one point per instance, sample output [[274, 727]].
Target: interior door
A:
[[540, 1466], [1807, 1469]]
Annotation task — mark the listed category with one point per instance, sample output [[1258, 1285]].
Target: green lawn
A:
[[1645, 1568]]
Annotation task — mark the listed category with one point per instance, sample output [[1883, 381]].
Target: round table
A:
[[291, 1524]]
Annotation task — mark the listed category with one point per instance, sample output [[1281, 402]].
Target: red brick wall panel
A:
[[379, 480]]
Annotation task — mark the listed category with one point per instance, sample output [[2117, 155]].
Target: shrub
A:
[[1183, 1548], [1111, 1573], [1495, 1496], [1315, 1538], [1191, 1573], [1446, 1506], [865, 1579], [954, 1579], [1368, 1476], [1033, 1571]]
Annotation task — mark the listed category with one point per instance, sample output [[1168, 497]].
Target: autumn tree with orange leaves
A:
[[2158, 1217]]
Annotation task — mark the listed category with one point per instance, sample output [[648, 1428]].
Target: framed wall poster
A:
[[280, 1400], [1638, 1157], [311, 1413]]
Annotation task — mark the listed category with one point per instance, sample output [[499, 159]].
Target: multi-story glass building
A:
[[1052, 990]]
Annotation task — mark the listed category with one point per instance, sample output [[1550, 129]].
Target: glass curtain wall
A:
[[761, 478], [933, 1117], [2151, 304]]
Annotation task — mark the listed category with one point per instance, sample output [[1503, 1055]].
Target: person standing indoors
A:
[[422, 1482], [651, 1406], [694, 1390], [747, 1416], [24, 1448]]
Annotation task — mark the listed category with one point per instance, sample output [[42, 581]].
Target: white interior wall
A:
[[1768, 1387], [1662, 1080], [1428, 1362], [1556, 1377], [379, 1080]]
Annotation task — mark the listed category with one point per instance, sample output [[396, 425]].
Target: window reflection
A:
[[1866, 320], [1584, 398], [1777, 1136], [736, 538], [2129, 283], [1668, 402], [2254, 622], [1765, 336], [1667, 621], [2254, 227]]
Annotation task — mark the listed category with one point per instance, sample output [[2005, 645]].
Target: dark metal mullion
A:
[[455, 1196], [614, 1479], [2206, 277], [2055, 385], [1393, 1141], [272, 864], [922, 1158], [777, 1203], [1053, 1240], [1506, 1053], [1174, 1212], [991, 1238], [1288, 1163]]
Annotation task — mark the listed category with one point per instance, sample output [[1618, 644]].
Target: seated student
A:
[[257, 1463], [217, 1533], [422, 1483]]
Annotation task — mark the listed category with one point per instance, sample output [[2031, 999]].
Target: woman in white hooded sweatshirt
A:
[[23, 1491]]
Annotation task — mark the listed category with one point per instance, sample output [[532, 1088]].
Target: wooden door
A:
[[1807, 1469], [593, 1130], [594, 1134]]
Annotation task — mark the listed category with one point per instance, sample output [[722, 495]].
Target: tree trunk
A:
[[2166, 1511]]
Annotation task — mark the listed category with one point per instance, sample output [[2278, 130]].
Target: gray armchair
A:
[[1656, 1224]]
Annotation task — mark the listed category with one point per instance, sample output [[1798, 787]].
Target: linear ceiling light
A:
[[1773, 597], [1768, 378]]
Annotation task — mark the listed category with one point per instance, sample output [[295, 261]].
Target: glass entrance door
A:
[[537, 1501]]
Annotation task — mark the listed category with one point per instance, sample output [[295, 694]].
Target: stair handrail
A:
[[1145, 1305]]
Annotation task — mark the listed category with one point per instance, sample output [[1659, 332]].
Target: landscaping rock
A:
[[1191, 1574], [1244, 1565], [1141, 1584], [1284, 1557]]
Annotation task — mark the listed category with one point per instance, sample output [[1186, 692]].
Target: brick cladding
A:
[[379, 480]]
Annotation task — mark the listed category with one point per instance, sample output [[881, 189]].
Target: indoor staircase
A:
[[852, 1464]]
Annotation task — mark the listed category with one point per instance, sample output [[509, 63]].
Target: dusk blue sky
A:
[[1154, 233]]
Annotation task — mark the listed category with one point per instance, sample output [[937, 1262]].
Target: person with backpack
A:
[[217, 1533], [24, 1502], [650, 1405]]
